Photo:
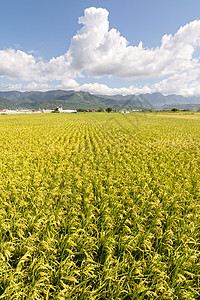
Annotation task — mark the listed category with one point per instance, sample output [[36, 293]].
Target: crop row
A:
[[99, 206]]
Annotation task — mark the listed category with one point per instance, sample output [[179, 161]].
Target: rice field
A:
[[100, 206]]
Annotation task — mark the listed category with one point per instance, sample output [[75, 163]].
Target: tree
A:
[[100, 109], [109, 109], [174, 109]]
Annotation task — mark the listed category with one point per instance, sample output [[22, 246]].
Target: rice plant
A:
[[100, 206]]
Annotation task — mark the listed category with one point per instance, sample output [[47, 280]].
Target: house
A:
[[59, 109], [124, 112]]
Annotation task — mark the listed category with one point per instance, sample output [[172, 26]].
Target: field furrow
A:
[[99, 206]]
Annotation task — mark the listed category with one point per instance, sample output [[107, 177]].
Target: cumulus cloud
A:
[[36, 86], [98, 51], [96, 88], [10, 86], [18, 65], [186, 83], [101, 51]]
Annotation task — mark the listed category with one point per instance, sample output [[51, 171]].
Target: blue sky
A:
[[44, 45]]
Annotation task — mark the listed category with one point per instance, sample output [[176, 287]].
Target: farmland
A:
[[100, 206]]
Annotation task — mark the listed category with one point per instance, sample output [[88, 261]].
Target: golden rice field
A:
[[100, 206]]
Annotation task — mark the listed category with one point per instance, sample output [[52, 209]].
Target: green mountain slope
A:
[[6, 104], [76, 100]]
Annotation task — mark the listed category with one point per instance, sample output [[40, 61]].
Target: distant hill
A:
[[76, 100], [155, 101], [5, 103]]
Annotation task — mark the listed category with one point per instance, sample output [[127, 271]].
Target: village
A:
[[59, 109]]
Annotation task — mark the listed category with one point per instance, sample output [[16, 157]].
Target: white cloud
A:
[[18, 65], [186, 83], [35, 86], [96, 88], [10, 86], [69, 84], [99, 51], [57, 68]]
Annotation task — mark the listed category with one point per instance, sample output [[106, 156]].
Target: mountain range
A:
[[84, 100]]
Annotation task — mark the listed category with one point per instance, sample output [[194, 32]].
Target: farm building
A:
[[59, 109]]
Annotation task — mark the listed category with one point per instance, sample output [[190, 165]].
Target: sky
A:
[[101, 46]]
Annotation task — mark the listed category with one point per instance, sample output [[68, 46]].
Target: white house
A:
[[59, 109]]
